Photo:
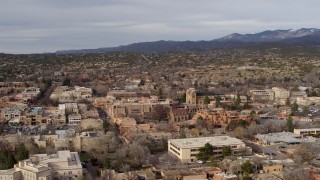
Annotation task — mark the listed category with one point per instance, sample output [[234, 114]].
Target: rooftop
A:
[[310, 129], [286, 137], [35, 111], [201, 141]]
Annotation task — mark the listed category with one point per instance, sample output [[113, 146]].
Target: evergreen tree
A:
[[294, 107], [23, 153], [105, 126], [238, 100], [226, 151], [305, 111], [247, 167], [206, 100], [218, 101], [290, 124], [66, 82], [7, 160], [205, 152]]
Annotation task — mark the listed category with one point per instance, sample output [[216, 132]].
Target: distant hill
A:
[[304, 36]]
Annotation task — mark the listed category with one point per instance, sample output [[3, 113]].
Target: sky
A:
[[37, 26]]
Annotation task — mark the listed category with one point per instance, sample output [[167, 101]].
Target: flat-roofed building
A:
[[281, 95], [10, 174], [74, 119], [307, 131], [62, 165], [28, 94], [67, 94], [281, 137], [262, 95], [186, 149]]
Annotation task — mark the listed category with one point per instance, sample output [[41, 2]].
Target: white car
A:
[[200, 162]]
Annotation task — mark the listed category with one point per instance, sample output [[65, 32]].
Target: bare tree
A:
[[159, 112], [295, 173], [303, 154], [139, 153], [107, 174]]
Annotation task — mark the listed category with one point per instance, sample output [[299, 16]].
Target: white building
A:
[[66, 94], [74, 119], [187, 149], [28, 93], [63, 165], [264, 95], [307, 131]]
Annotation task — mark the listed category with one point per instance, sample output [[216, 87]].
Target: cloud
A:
[[50, 25]]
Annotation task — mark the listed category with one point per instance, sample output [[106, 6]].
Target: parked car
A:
[[200, 162]]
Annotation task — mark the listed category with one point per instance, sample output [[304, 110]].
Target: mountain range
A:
[[300, 37]]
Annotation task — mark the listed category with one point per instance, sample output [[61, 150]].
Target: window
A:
[[70, 172]]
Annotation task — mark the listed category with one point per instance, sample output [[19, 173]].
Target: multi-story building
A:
[[74, 119], [34, 116], [11, 113], [63, 165], [280, 95], [55, 115], [137, 110], [307, 131], [294, 95], [67, 94], [219, 116], [28, 94], [187, 149], [194, 97], [277, 94], [178, 114], [262, 95]]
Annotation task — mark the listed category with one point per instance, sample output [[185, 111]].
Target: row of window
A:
[[174, 146], [175, 151]]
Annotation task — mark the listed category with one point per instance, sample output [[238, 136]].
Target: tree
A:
[[297, 171], [218, 101], [206, 100], [105, 126], [290, 124], [303, 154], [226, 151], [200, 123], [253, 113], [23, 153], [246, 106], [205, 152], [66, 82], [288, 102], [294, 107], [247, 167], [238, 100], [305, 111], [159, 112], [182, 98], [141, 83], [160, 93], [240, 132], [182, 133]]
